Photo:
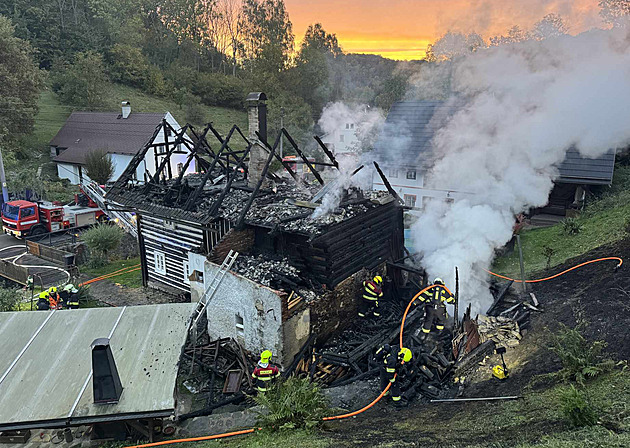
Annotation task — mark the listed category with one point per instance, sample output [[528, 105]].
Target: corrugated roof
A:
[[44, 386], [87, 131], [411, 125]]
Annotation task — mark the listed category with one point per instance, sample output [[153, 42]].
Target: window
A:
[[411, 174], [410, 200], [186, 271], [26, 212], [393, 173], [347, 125], [240, 325], [169, 225], [341, 138], [159, 262], [351, 125]]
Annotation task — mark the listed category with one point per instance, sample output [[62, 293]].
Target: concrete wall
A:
[[259, 307]]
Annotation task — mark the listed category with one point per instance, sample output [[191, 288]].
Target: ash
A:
[[273, 273]]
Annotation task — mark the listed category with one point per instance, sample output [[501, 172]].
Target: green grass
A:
[[131, 279], [263, 439], [603, 222]]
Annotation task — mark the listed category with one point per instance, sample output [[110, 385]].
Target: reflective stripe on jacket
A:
[[371, 291], [437, 296]]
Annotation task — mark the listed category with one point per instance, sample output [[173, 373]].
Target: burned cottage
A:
[[299, 268]]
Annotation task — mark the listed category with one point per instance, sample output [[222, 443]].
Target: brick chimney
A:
[[257, 119], [126, 109]]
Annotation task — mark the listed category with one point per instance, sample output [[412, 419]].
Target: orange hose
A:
[[402, 325], [352, 414], [197, 439], [561, 273], [112, 274]]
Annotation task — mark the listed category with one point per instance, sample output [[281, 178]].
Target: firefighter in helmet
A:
[[265, 372], [435, 300], [372, 293], [392, 361]]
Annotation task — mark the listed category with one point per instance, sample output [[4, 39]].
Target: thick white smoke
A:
[[366, 123], [524, 106]]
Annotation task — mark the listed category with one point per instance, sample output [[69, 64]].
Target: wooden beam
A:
[[301, 154]]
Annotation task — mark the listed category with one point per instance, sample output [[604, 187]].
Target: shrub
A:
[[580, 358], [571, 226], [195, 113], [102, 239], [84, 82], [216, 89], [9, 299], [293, 403], [576, 407], [127, 65], [548, 252], [99, 166]]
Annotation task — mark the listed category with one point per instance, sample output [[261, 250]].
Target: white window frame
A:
[[187, 272], [410, 200], [342, 138], [159, 262], [393, 173], [169, 224], [412, 175]]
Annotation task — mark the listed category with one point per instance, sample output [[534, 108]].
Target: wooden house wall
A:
[[175, 239]]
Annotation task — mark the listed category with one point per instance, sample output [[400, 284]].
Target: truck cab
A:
[[23, 218], [19, 217]]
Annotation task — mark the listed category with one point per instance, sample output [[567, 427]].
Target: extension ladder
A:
[[213, 286]]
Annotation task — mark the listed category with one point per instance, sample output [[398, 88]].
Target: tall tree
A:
[[231, 13], [84, 82], [268, 34], [615, 12], [514, 35], [453, 45], [20, 84]]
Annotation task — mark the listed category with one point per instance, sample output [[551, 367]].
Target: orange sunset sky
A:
[[401, 29]]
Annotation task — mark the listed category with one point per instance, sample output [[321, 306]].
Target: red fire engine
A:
[[24, 218]]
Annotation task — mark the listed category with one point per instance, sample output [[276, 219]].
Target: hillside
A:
[[52, 113]]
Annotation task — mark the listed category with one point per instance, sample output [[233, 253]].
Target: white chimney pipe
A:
[[126, 109]]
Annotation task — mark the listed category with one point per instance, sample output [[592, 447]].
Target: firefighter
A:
[[70, 296], [435, 300], [54, 300], [372, 292], [391, 370], [42, 301], [265, 372]]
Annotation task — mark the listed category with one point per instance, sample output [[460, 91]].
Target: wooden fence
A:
[[51, 254]]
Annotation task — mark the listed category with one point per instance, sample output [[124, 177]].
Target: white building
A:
[[121, 135], [344, 143]]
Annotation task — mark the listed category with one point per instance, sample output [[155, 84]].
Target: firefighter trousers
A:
[[394, 390], [368, 308], [434, 315]]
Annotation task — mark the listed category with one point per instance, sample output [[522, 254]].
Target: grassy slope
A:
[[604, 221], [131, 279]]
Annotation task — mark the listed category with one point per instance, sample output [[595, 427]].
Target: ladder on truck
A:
[[97, 194], [212, 288]]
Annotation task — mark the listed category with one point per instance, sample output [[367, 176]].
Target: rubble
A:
[[502, 330], [277, 274]]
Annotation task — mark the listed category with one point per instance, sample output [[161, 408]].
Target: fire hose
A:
[[112, 274], [382, 394]]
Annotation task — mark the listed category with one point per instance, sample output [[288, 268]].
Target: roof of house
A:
[[87, 131], [411, 125], [50, 357]]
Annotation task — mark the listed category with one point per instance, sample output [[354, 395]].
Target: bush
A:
[[580, 358], [216, 89], [84, 82], [571, 226], [577, 408], [548, 252], [102, 239], [99, 166], [127, 65], [293, 403], [9, 299]]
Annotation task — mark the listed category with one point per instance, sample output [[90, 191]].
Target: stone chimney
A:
[[126, 109], [257, 119]]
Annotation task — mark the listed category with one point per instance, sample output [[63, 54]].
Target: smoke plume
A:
[[524, 106], [367, 123]]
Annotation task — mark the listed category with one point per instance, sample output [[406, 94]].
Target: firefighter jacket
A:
[[437, 296], [389, 362], [372, 291], [73, 301], [263, 374]]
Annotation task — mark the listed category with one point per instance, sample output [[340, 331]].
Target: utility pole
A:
[[281, 136], [3, 178], [520, 260]]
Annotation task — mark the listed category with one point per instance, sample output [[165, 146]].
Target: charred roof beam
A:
[[302, 156], [166, 160], [284, 164], [195, 196], [272, 152], [388, 185], [228, 185], [327, 151]]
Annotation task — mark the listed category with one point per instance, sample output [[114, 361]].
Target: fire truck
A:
[[24, 218]]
